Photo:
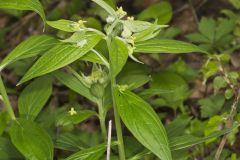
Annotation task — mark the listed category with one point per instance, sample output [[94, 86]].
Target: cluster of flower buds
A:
[[96, 82], [122, 88], [76, 26], [98, 76], [120, 14]]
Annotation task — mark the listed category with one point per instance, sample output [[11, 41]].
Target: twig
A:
[[228, 125], [193, 11], [109, 139], [200, 5], [185, 6]]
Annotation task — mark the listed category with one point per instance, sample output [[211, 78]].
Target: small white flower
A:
[[131, 40], [72, 111], [82, 43], [130, 18], [126, 33], [110, 19], [81, 23], [121, 13]]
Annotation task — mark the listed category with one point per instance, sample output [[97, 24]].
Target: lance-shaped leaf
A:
[[106, 7], [61, 55], [143, 122], [118, 53], [31, 5], [34, 97], [29, 48], [64, 25], [161, 11], [93, 153], [31, 140], [166, 46], [186, 141]]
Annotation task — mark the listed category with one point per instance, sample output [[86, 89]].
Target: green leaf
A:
[[219, 82], [4, 120], [32, 5], [225, 27], [161, 11], [214, 124], [152, 31], [207, 28], [92, 57], [211, 106], [166, 46], [105, 6], [229, 93], [60, 56], [34, 97], [134, 75], [186, 141], [66, 118], [209, 69], [74, 84], [197, 38], [69, 141], [8, 151], [112, 3], [145, 126], [118, 53], [64, 25], [136, 26], [235, 3], [29, 48], [93, 153], [178, 126], [31, 140], [183, 69], [170, 86]]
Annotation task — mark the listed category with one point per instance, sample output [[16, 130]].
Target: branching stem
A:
[[232, 114]]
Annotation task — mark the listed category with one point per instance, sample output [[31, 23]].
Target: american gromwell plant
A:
[[113, 86]]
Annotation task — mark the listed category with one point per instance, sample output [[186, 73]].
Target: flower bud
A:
[[110, 19], [126, 33]]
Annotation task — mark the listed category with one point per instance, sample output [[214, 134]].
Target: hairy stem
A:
[[229, 124], [102, 116], [6, 100], [117, 122]]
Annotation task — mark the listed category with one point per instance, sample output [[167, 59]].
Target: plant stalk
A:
[[102, 117], [229, 124], [6, 100], [121, 150], [117, 122]]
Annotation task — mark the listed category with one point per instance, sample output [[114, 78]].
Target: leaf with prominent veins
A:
[[60, 56]]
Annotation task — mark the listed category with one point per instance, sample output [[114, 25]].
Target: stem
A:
[[193, 11], [228, 125], [6, 100], [102, 116], [117, 122], [116, 114]]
